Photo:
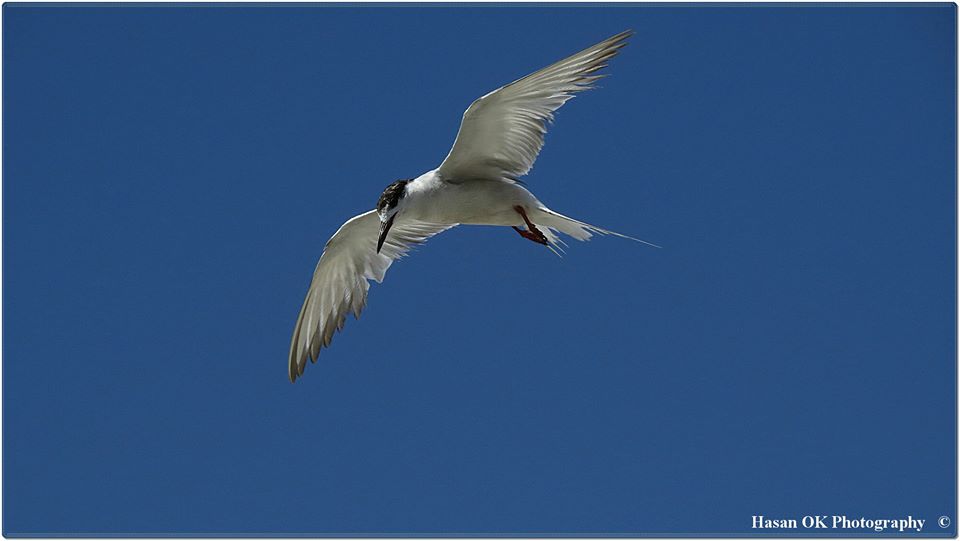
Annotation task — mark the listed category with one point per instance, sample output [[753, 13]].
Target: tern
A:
[[478, 183]]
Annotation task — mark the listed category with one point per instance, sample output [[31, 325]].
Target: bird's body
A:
[[431, 198], [500, 137]]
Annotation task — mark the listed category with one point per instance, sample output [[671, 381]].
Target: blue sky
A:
[[172, 173]]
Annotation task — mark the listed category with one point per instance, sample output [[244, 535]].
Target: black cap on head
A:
[[392, 195]]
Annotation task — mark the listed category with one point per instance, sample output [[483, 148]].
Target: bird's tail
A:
[[554, 222]]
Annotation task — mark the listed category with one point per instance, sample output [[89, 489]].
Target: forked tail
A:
[[551, 222]]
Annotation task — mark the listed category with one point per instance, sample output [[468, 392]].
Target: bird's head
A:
[[389, 205]]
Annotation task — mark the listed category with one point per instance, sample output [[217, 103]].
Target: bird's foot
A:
[[534, 234], [531, 233]]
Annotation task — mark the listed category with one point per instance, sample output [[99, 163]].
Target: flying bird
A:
[[478, 183]]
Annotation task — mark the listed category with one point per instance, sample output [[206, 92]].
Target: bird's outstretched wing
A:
[[502, 133], [341, 280]]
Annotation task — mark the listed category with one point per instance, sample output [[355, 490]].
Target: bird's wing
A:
[[341, 280], [502, 133]]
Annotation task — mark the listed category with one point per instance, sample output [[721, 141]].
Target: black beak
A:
[[384, 229]]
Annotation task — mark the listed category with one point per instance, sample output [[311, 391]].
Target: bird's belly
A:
[[503, 216], [476, 203]]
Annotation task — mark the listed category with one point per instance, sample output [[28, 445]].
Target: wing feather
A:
[[502, 133], [341, 280]]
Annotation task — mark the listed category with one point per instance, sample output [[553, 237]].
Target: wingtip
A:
[[621, 38], [612, 45], [296, 365], [292, 373]]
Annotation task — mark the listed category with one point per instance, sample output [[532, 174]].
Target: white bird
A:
[[500, 136]]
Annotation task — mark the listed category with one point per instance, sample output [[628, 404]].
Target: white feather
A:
[[501, 133], [341, 279], [500, 136]]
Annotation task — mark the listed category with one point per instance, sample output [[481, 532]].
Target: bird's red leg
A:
[[529, 235], [532, 233]]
